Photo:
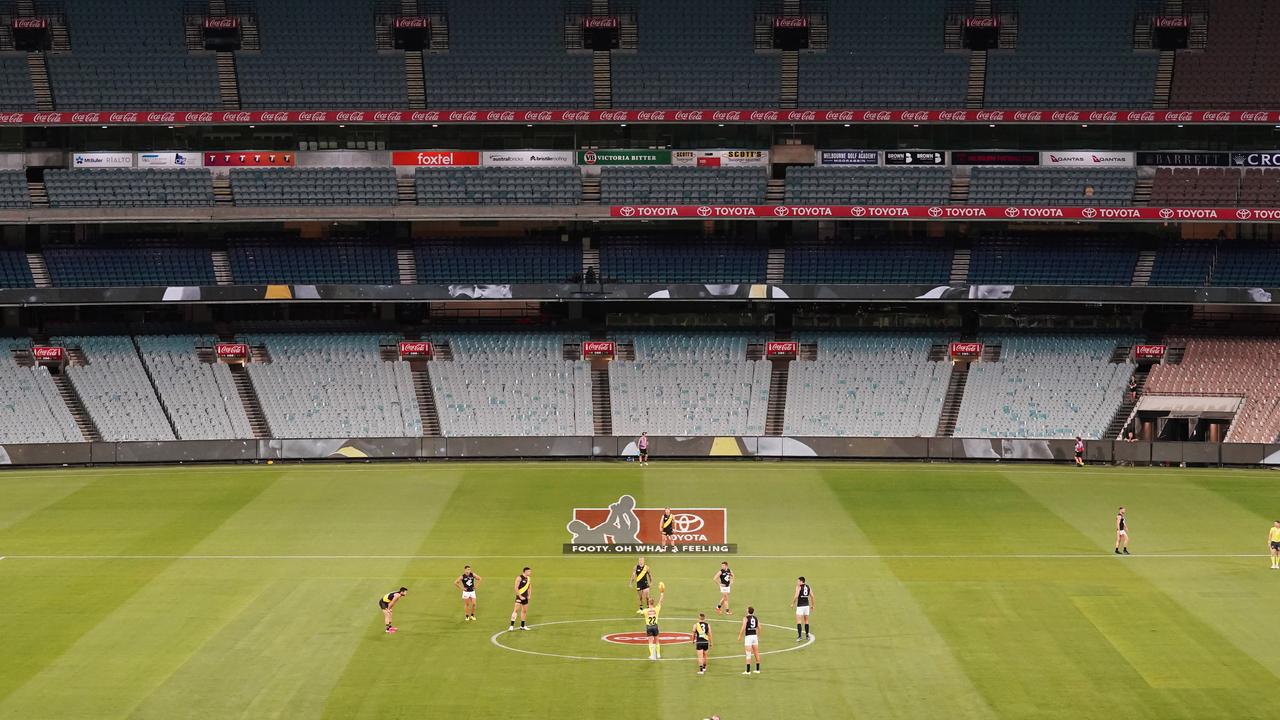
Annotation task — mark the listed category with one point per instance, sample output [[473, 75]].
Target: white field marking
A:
[[736, 656], [1102, 554]]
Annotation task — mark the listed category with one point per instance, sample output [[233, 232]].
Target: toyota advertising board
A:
[[621, 527]]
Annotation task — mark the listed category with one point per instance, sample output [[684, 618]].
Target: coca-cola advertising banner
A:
[[1148, 352], [250, 158], [721, 158], [228, 22], [949, 212], [412, 117], [1087, 158], [48, 354], [600, 23], [790, 22], [965, 349], [781, 349], [231, 351], [436, 158], [982, 21], [415, 349], [1170, 22], [598, 348], [407, 22], [29, 23]]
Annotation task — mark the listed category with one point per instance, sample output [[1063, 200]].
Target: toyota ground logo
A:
[[1166, 213], [704, 211], [935, 212], [1089, 212], [1011, 212], [621, 527], [1243, 213], [687, 523], [627, 211], [782, 211]]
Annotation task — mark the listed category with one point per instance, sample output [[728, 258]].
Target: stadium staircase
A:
[[1121, 419], [249, 400], [951, 401], [1142, 271], [601, 401], [991, 352], [960, 260], [38, 70], [1164, 80], [1142, 190], [959, 191], [590, 190], [776, 267], [415, 80], [38, 194], [442, 351], [71, 397], [601, 79], [776, 415], [406, 190], [776, 194], [1008, 38], [221, 267], [407, 266], [222, 190], [420, 370], [228, 81], [976, 90], [625, 350], [39, 271], [590, 260], [151, 380]]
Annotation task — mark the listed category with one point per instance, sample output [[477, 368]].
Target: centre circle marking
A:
[[641, 638], [736, 656]]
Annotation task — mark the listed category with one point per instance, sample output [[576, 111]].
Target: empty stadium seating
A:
[[115, 390], [1236, 67], [682, 186], [1248, 367], [1073, 53], [484, 260], [137, 264], [682, 260], [329, 385], [259, 261], [1247, 264], [512, 55], [869, 260], [1260, 188], [1052, 186], [883, 55], [31, 411], [689, 383], [694, 54], [866, 384], [13, 190], [1053, 259], [511, 384], [14, 271], [130, 55], [1044, 386], [1191, 187], [498, 186], [200, 397], [319, 53], [1183, 263], [868, 186], [314, 186], [123, 187], [15, 84]]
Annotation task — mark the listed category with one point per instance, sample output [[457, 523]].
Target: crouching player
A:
[[388, 602]]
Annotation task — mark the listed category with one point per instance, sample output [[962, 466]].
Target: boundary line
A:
[[494, 639]]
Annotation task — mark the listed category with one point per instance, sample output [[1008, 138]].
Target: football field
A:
[[941, 591]]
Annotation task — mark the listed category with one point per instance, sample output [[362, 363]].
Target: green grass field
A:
[[941, 591]]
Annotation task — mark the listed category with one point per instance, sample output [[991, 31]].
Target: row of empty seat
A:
[[1245, 367]]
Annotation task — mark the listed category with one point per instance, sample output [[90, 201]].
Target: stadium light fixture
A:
[[847, 125], [1083, 125], [991, 125], [1179, 126]]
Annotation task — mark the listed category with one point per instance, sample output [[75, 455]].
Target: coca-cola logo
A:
[[124, 117], [47, 117], [877, 116], [40, 352], [597, 347], [1217, 117], [953, 115], [502, 116], [1065, 116], [383, 116], [408, 22], [916, 116], [688, 115], [198, 117], [428, 116], [982, 21], [578, 116], [651, 115], [791, 22], [781, 347], [90, 117], [275, 116], [1255, 117], [1149, 351], [1142, 116], [538, 116], [1103, 116], [1032, 115], [240, 116], [357, 116], [730, 115], [801, 115], [1183, 116], [1174, 22], [230, 22], [599, 23], [966, 348], [764, 115], [990, 115], [231, 350], [612, 115], [162, 117], [415, 347], [313, 116], [11, 118], [29, 23], [463, 116]]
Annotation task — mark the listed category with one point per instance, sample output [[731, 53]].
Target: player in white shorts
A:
[[749, 634], [467, 583], [724, 576], [803, 603]]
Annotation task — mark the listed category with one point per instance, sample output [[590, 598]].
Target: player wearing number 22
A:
[[651, 614]]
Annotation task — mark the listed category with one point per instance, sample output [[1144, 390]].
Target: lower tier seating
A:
[[1247, 367]]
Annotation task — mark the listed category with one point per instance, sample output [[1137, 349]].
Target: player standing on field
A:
[[749, 635], [1273, 537], [1122, 532], [641, 577], [803, 603], [702, 641], [388, 602], [642, 444], [467, 583], [668, 527], [724, 576], [651, 626], [521, 606], [1079, 452]]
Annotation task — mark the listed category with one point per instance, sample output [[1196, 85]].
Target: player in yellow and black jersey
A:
[[641, 579], [702, 641], [650, 614], [668, 527], [388, 602], [1273, 538], [521, 607]]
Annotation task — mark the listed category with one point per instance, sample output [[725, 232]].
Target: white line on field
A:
[[1078, 556]]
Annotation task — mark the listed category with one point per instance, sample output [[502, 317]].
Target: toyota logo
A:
[[1166, 213], [935, 212], [781, 210], [858, 211], [1243, 213], [687, 523], [627, 211], [1011, 212], [1089, 212], [704, 211]]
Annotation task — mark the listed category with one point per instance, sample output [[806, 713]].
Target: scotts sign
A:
[[781, 349], [48, 354], [623, 527], [598, 348], [949, 212], [1148, 352], [405, 116], [415, 349], [231, 351], [969, 350]]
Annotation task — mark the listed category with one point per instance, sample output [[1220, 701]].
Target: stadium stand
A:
[[14, 270], [286, 259], [1247, 264], [1260, 188], [682, 186], [330, 385], [1074, 53], [869, 260], [15, 84], [690, 383], [1044, 386], [31, 411], [513, 383], [682, 260], [868, 185], [1051, 186], [200, 396], [498, 186], [1191, 187], [1236, 67], [504, 54], [130, 55], [13, 190], [1247, 367], [1053, 259], [486, 260], [1185, 262], [319, 53], [314, 186], [866, 384], [883, 55], [115, 390], [143, 263], [125, 187], [696, 55]]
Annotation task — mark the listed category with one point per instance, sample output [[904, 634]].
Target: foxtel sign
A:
[[947, 212]]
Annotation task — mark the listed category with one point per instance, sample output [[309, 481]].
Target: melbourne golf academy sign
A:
[[624, 528]]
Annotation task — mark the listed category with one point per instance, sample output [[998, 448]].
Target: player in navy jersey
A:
[[521, 607], [749, 635], [803, 603], [388, 602], [1122, 532], [467, 582], [724, 578]]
